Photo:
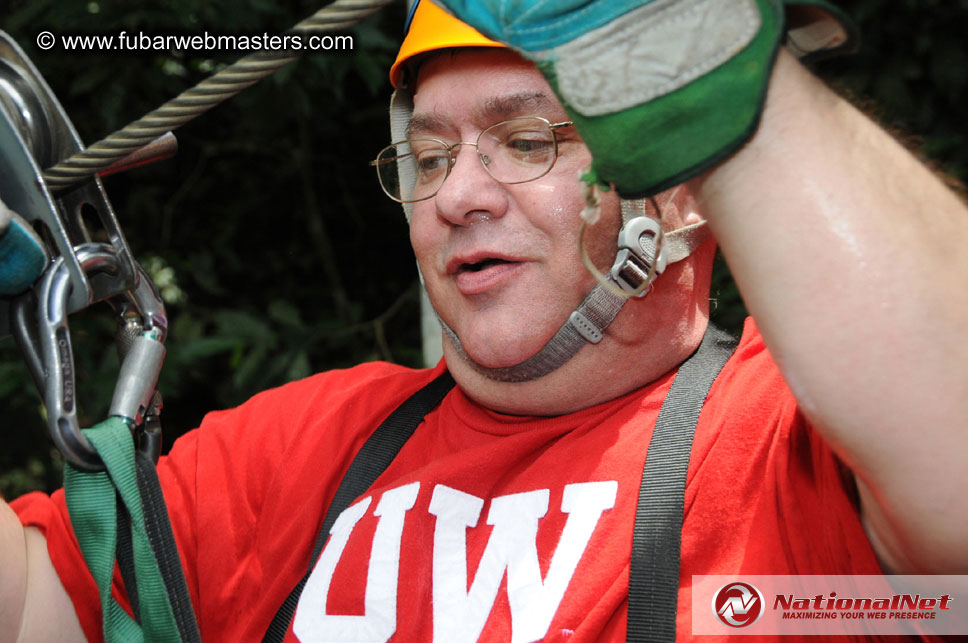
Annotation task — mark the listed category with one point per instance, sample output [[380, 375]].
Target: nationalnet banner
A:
[[829, 605]]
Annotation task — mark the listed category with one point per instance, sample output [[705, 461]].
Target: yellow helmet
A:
[[430, 28]]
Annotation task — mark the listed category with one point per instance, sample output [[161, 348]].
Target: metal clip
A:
[[139, 370], [637, 244]]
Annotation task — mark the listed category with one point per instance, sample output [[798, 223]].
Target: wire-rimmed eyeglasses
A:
[[513, 151]]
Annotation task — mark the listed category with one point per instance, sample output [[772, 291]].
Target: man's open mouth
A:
[[481, 265]]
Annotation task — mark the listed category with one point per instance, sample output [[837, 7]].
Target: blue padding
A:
[[22, 257]]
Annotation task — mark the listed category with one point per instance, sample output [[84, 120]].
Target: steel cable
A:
[[207, 94]]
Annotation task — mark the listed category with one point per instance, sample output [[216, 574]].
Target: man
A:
[[832, 444]]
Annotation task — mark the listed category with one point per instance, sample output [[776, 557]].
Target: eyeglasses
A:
[[517, 150]]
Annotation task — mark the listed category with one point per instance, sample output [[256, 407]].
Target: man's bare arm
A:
[[33, 603], [852, 256]]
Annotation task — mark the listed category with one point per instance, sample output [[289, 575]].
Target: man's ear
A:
[[676, 207], [691, 214]]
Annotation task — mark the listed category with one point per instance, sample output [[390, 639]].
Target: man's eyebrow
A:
[[495, 108], [424, 123], [514, 104]]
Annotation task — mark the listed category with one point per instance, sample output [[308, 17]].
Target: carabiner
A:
[[143, 329], [140, 366]]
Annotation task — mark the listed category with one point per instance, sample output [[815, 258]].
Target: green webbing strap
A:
[[92, 501]]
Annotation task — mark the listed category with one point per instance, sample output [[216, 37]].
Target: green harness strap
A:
[[92, 501]]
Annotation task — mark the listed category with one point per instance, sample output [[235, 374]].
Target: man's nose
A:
[[469, 193]]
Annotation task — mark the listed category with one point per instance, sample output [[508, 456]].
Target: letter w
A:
[[459, 613]]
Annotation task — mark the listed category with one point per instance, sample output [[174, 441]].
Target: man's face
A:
[[501, 262]]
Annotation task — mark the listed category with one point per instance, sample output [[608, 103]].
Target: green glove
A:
[[661, 90]]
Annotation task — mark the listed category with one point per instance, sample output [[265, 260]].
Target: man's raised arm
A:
[[852, 255]]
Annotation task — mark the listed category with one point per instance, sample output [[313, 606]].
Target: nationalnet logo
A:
[[896, 606], [830, 605], [738, 604]]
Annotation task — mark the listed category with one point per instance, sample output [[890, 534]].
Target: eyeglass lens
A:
[[512, 151]]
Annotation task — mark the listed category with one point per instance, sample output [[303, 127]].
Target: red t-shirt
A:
[[486, 526]]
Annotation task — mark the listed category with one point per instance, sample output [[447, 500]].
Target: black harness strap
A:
[[162, 540], [373, 458], [656, 541], [654, 580]]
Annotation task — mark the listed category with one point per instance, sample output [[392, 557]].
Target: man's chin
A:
[[495, 351]]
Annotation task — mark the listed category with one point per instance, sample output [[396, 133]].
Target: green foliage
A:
[[277, 254]]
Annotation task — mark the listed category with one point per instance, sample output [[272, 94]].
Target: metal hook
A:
[[135, 389]]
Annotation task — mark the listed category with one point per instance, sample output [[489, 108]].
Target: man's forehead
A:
[[489, 110]]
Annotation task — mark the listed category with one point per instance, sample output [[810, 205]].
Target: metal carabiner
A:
[[142, 333], [140, 366]]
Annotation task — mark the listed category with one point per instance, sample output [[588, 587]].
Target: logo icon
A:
[[738, 604]]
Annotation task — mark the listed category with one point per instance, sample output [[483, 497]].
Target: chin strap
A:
[[586, 325]]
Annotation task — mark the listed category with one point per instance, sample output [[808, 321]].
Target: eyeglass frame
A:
[[449, 148]]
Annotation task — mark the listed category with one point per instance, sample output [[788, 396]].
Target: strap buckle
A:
[[637, 244]]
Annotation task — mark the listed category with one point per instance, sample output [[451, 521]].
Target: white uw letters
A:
[[459, 614]]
